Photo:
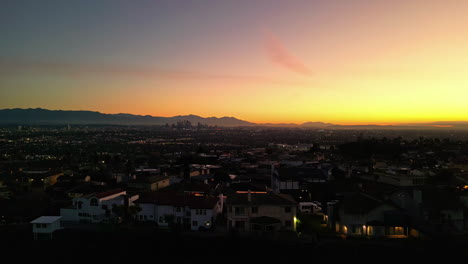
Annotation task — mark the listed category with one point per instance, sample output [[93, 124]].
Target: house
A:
[[309, 207], [151, 183], [361, 215], [190, 211], [401, 178], [260, 211], [45, 226], [194, 170], [83, 189], [295, 178], [95, 207], [432, 209]]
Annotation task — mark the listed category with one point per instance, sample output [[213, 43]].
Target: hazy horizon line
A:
[[438, 123]]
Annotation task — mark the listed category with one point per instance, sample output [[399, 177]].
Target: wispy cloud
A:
[[278, 54], [18, 66]]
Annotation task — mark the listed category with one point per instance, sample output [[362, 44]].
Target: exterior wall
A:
[[355, 224], [69, 214], [289, 185], [46, 228], [201, 218], [378, 213], [197, 217], [245, 214], [154, 213], [352, 224], [147, 213], [161, 212], [376, 231], [92, 213]]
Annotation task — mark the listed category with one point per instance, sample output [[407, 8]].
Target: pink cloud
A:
[[278, 54], [19, 66]]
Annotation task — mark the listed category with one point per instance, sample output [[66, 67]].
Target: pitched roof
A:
[[86, 188], [295, 173], [179, 200], [187, 186], [360, 203], [261, 199], [108, 193], [100, 195], [45, 219], [150, 179]]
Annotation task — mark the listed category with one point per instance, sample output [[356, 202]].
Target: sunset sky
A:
[[344, 62]]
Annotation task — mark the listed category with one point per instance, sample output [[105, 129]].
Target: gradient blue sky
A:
[[263, 61]]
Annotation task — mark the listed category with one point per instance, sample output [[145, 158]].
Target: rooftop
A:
[[101, 195], [46, 220], [360, 203], [261, 198], [179, 200]]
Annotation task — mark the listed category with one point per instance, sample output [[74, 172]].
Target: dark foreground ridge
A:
[[124, 245]]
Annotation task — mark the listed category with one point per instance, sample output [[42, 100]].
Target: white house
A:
[[189, 211], [261, 212], [44, 226], [94, 207]]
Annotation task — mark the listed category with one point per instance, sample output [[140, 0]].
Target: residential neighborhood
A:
[[235, 183]]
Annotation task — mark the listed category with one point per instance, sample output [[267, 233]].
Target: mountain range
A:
[[39, 116]]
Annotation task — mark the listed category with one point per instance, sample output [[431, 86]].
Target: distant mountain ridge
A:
[[40, 116]]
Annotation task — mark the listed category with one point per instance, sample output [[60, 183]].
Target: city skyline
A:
[[341, 62]]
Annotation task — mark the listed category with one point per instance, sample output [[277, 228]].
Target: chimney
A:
[[249, 196]]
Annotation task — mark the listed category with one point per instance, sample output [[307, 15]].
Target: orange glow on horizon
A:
[[359, 63]]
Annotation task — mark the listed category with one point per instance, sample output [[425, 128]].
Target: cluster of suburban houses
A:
[[392, 202]]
